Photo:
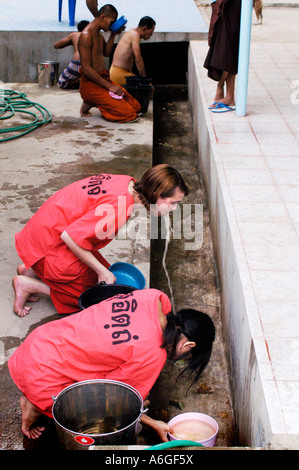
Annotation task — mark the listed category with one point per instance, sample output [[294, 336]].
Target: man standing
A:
[[222, 58], [96, 87], [128, 51]]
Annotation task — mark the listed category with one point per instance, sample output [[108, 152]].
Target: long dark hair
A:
[[196, 326]]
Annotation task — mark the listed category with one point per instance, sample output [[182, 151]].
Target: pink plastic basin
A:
[[185, 417]]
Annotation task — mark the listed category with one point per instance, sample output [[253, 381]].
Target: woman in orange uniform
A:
[[60, 244], [125, 338]]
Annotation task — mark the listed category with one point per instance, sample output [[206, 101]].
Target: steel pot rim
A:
[[83, 382]]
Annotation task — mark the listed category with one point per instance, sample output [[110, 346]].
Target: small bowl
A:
[[200, 417], [128, 275], [118, 24]]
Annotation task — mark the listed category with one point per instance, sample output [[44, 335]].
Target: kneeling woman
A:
[[60, 244], [95, 344]]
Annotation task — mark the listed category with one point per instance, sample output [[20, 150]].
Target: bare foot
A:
[[22, 294], [30, 414], [84, 110], [212, 106], [24, 287], [228, 101], [219, 92], [22, 271]]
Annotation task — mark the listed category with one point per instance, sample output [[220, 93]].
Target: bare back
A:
[[91, 49], [75, 40], [127, 48], [70, 40]]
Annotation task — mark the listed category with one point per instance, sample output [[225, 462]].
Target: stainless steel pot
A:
[[97, 412]]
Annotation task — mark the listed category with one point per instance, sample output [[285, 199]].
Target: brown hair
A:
[[159, 181]]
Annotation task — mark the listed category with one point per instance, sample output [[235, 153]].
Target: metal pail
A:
[[47, 73], [97, 412]]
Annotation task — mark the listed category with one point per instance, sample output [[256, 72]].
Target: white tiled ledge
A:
[[250, 167]]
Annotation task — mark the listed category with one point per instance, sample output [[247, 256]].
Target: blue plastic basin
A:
[[128, 275], [122, 20]]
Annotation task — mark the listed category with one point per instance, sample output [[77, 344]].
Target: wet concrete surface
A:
[[33, 167], [193, 274]]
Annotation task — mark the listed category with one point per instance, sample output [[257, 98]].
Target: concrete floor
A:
[[25, 185], [27, 38], [32, 168], [172, 16], [70, 148]]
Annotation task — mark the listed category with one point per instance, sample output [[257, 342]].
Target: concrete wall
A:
[[249, 404], [21, 51]]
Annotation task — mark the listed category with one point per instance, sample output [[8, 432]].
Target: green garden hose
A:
[[172, 444], [12, 102]]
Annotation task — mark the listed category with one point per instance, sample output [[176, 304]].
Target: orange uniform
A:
[[117, 339], [91, 211], [124, 110]]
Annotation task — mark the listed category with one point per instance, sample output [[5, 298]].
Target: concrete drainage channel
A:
[[192, 274]]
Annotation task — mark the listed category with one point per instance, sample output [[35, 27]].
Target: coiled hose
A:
[[12, 102]]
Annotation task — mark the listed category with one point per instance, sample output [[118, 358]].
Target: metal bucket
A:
[[97, 412], [47, 73]]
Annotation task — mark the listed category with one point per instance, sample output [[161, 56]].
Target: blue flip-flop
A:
[[223, 108], [213, 105]]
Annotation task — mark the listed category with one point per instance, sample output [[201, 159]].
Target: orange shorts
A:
[[124, 110]]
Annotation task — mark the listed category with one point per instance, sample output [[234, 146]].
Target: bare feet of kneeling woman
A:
[[26, 289], [30, 414]]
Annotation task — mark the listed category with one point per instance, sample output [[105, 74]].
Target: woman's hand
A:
[[107, 277], [89, 259], [160, 427]]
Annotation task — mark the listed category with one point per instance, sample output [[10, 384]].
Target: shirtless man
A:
[[128, 51], [96, 85], [70, 77]]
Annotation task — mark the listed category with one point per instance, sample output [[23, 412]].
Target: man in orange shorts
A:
[[128, 51], [96, 87]]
